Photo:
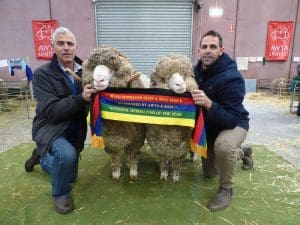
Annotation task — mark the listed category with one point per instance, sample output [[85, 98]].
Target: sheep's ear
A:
[[114, 62]]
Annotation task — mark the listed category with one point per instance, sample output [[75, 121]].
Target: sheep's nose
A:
[[179, 84]]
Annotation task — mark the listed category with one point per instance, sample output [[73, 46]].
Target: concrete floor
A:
[[272, 125]]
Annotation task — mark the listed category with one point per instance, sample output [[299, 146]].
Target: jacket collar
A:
[[56, 66], [223, 63]]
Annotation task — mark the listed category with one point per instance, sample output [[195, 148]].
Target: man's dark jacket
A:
[[225, 86], [57, 107]]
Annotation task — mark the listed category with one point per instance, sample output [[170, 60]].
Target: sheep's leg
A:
[[116, 166], [132, 161], [177, 163], [163, 169]]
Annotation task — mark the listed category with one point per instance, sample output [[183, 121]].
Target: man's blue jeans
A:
[[61, 163]]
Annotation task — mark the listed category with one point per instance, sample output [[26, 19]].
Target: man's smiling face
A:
[[210, 50]]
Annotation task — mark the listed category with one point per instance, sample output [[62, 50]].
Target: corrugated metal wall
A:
[[145, 30]]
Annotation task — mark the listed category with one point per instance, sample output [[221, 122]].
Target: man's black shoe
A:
[[63, 205], [221, 200], [247, 160], [32, 161]]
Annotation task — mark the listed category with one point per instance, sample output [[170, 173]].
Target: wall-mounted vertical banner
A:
[[279, 38], [42, 31]]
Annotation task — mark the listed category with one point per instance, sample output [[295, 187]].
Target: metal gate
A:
[[145, 30]]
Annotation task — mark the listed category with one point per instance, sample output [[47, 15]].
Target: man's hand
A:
[[87, 92], [201, 99]]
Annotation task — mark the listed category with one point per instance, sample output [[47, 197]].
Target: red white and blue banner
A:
[[153, 106]]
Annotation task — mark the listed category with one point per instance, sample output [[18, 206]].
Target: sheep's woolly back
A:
[[114, 59], [139, 80], [170, 64]]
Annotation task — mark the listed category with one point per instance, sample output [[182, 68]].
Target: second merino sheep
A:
[[170, 142]]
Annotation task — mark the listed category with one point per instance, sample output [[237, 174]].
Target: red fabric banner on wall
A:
[[279, 38], [42, 31]]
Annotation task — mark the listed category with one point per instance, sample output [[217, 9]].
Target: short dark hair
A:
[[214, 34]]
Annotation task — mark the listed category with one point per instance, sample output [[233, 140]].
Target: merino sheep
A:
[[109, 67], [171, 143]]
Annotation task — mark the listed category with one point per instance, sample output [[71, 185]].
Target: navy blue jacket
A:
[[225, 86], [58, 111]]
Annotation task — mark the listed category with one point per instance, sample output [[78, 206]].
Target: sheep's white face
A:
[[177, 84], [102, 76]]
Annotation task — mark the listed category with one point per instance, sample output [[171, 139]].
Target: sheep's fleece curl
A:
[[117, 62], [170, 64]]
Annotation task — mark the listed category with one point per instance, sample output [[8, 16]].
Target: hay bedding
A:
[[262, 98]]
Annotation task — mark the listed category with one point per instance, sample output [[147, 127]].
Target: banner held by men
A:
[[154, 106]]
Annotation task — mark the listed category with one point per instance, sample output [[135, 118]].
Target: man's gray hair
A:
[[61, 30]]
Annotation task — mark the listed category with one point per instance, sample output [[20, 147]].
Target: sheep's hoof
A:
[[133, 174], [176, 178], [116, 174], [164, 175]]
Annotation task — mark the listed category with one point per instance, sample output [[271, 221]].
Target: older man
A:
[[59, 126]]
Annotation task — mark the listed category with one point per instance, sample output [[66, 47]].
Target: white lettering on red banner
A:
[[42, 31], [278, 40]]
